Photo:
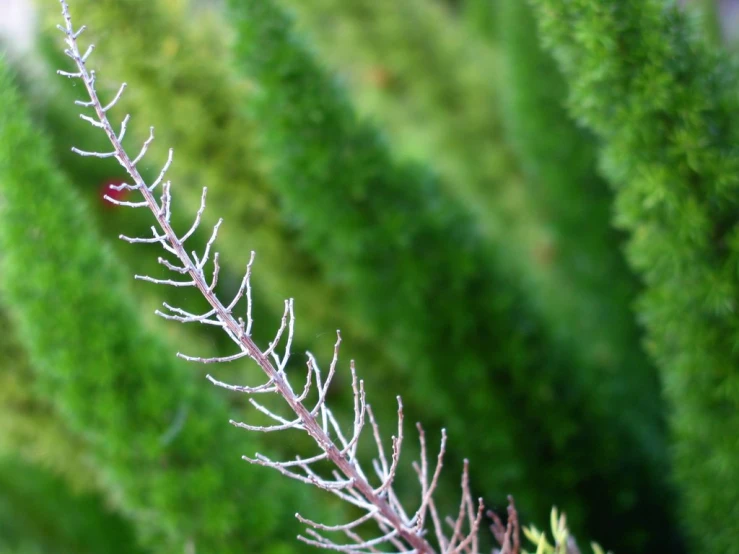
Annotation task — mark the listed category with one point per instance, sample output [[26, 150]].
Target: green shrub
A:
[[419, 273], [157, 434], [37, 507], [664, 105]]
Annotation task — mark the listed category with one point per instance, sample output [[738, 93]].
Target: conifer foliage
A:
[[387, 230], [35, 503], [550, 230], [108, 375], [522, 215], [665, 106]]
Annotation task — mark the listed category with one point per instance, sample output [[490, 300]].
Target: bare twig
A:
[[508, 535], [349, 481]]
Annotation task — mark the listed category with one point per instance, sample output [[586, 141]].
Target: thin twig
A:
[[349, 481]]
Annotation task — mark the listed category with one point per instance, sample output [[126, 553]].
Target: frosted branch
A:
[[374, 495], [116, 98]]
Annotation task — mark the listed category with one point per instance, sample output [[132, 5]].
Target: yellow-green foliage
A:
[[563, 541], [28, 426], [180, 81], [158, 436]]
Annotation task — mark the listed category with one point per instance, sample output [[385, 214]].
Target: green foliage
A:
[[557, 236], [589, 299], [36, 504], [29, 427], [478, 14], [331, 169], [388, 231], [481, 16], [175, 88], [37, 507], [159, 436], [494, 298], [446, 116], [563, 540], [664, 105], [587, 295]]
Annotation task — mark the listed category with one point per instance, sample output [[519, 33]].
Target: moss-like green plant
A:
[[664, 105], [436, 91], [446, 117], [381, 505], [589, 302], [588, 293], [431, 86], [38, 507], [28, 426], [481, 16], [47, 483], [159, 438], [389, 231]]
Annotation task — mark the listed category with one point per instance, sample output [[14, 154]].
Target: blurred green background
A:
[[521, 215]]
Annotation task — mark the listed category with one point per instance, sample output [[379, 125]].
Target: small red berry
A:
[[107, 190]]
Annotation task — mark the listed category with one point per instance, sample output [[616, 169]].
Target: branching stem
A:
[[350, 483]]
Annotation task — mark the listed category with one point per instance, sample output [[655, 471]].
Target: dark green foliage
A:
[[158, 434], [572, 268], [665, 106], [474, 359], [590, 300], [557, 235], [481, 16], [29, 546], [589, 296], [333, 170], [37, 507], [325, 169]]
